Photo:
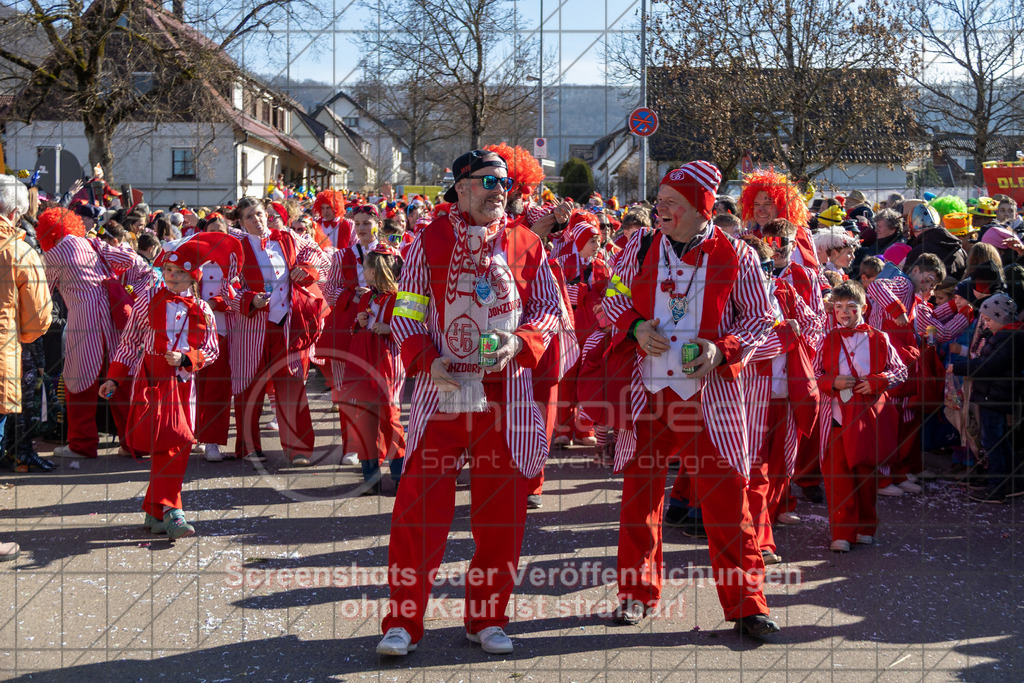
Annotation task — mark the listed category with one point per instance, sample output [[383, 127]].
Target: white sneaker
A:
[[560, 441], [493, 640], [911, 477], [909, 486], [840, 546], [864, 539], [891, 490], [788, 518], [586, 441], [396, 642], [273, 426], [212, 453], [66, 452], [927, 475], [350, 459]]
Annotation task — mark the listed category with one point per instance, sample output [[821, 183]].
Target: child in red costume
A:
[[177, 333], [855, 367]]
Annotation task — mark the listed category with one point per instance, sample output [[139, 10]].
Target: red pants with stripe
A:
[[166, 474], [545, 393], [296, 425], [735, 555], [83, 437], [423, 516], [852, 494], [213, 399], [768, 476]]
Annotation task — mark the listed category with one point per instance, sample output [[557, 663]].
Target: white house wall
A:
[[142, 157]]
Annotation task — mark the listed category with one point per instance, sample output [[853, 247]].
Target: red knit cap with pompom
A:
[[783, 193], [522, 167], [55, 224], [332, 198]]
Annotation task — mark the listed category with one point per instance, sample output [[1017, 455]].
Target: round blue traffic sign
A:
[[643, 122]]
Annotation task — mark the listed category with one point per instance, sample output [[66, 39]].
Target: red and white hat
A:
[[698, 182], [191, 254], [583, 227]]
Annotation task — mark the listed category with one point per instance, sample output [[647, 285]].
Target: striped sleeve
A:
[[754, 317], [333, 285], [311, 259], [210, 347], [408, 321], [119, 260], [947, 327], [618, 300], [541, 314]]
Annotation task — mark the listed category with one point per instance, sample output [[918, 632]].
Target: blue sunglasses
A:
[[491, 181]]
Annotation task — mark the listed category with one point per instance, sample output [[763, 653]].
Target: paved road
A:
[[94, 597]]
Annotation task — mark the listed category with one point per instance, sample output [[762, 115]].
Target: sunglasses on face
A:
[[491, 181], [777, 241], [366, 208]]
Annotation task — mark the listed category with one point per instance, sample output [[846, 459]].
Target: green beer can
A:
[[690, 353], [488, 344]]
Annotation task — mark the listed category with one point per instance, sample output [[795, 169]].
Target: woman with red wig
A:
[[333, 230], [767, 195], [78, 267]]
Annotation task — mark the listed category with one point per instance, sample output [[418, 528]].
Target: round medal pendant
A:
[[484, 294]]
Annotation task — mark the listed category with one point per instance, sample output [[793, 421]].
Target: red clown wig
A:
[[783, 193], [521, 166], [331, 198], [55, 224]]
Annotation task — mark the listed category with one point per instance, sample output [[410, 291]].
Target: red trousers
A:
[[852, 494], [735, 555], [213, 399], [768, 476], [423, 516], [907, 459], [292, 406], [808, 465], [568, 420], [545, 393], [372, 430], [683, 489], [166, 474], [83, 437]]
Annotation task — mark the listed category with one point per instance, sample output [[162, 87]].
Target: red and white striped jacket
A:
[[808, 283], [416, 328], [248, 324], [890, 298], [949, 321], [74, 268], [343, 277], [737, 317]]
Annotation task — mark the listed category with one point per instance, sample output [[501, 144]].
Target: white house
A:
[[347, 118]]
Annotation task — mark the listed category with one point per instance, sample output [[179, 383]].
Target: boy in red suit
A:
[[856, 366]]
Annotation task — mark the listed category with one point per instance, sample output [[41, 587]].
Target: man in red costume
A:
[[467, 274], [333, 230], [689, 282], [768, 195]]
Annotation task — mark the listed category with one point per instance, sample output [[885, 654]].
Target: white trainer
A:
[[350, 459], [891, 490], [909, 486], [396, 642], [212, 453], [788, 518], [864, 539], [66, 452], [560, 442], [840, 546], [273, 426], [492, 640]]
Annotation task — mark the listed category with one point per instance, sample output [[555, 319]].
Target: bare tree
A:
[[115, 61], [803, 83], [970, 80], [464, 50]]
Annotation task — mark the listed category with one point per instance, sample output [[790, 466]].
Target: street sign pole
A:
[[642, 174]]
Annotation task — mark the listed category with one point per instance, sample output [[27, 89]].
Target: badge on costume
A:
[[678, 306], [484, 294]]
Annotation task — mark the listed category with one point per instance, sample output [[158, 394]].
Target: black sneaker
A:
[[676, 516], [989, 496], [33, 463], [255, 456], [694, 528], [533, 501], [756, 626], [814, 494], [770, 557], [630, 612]]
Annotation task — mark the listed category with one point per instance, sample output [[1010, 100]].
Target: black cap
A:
[[469, 162]]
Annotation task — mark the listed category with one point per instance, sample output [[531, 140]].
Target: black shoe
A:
[[694, 528], [813, 493], [770, 557], [533, 501], [33, 463], [989, 496], [631, 612], [676, 516], [255, 456], [370, 488], [756, 626]]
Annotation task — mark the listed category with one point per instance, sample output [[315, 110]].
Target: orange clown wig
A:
[[523, 168], [783, 193], [55, 224], [331, 198]]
